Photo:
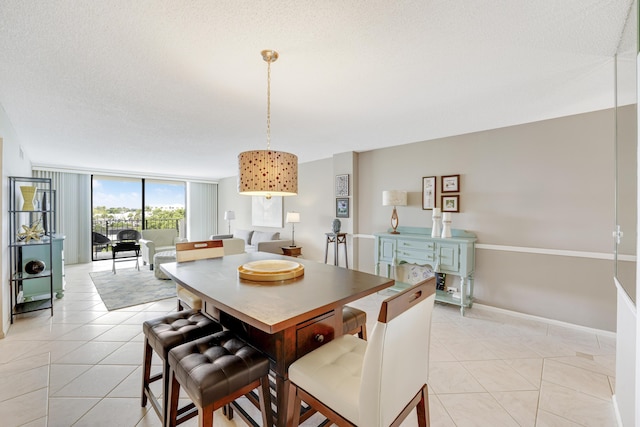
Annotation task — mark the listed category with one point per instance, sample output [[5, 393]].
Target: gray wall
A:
[[539, 196]]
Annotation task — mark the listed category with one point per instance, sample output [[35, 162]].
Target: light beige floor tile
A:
[[509, 348], [439, 353], [547, 346], [131, 353], [476, 410], [452, 377], [530, 369], [521, 405], [605, 365], [40, 422], [113, 318], [24, 364], [113, 412], [587, 382], [131, 386], [547, 419], [575, 406], [120, 333], [496, 375], [469, 350], [85, 333], [97, 381], [24, 408], [60, 375], [24, 382], [65, 411], [90, 353]]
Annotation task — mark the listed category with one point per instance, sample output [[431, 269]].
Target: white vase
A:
[[446, 225], [435, 227]]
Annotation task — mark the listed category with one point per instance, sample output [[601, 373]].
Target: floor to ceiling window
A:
[[120, 203]]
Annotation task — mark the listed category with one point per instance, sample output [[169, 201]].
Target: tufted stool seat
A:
[[163, 334], [354, 321], [214, 371]]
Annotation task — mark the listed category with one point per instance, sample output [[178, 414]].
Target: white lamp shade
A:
[[229, 215], [293, 217], [394, 198]]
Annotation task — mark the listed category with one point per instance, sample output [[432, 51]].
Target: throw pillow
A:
[[243, 234], [264, 236]]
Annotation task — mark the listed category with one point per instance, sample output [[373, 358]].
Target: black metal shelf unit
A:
[[31, 228]]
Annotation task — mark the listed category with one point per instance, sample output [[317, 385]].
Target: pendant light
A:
[[267, 172]]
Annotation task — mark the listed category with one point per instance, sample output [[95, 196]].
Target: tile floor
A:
[[81, 367]]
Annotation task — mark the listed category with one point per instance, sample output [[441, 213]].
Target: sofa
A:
[[260, 241], [157, 240]]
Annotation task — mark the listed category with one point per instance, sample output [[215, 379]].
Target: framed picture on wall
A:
[[428, 192], [450, 184], [451, 203], [342, 208], [342, 185]]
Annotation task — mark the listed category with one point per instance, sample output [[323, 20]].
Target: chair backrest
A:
[[99, 239], [396, 361], [191, 251], [124, 235]]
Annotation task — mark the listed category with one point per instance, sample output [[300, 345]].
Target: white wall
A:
[[14, 163]]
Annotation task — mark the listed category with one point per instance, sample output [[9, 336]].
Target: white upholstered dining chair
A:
[[372, 383], [191, 251]]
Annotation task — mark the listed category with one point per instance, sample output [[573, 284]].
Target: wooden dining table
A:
[[285, 319]]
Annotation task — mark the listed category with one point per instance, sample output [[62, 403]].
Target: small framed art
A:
[[450, 184], [451, 203], [342, 208], [342, 185], [428, 192]]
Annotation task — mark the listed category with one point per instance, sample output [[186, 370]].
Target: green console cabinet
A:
[[40, 286], [453, 255]]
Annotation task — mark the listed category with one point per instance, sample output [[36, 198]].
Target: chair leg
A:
[[205, 416], [422, 409], [293, 407], [146, 370], [362, 333], [265, 401], [174, 395]]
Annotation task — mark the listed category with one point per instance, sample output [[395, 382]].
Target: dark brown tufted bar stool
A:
[[214, 371], [354, 321], [163, 334]]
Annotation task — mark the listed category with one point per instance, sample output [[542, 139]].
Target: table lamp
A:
[[228, 216], [293, 217], [394, 198]]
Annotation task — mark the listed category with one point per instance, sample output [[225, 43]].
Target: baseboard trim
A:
[[545, 320]]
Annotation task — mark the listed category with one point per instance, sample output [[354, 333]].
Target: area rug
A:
[[131, 287]]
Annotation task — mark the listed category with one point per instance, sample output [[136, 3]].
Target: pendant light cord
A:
[[269, 104]]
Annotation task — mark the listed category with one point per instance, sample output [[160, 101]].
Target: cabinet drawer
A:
[[415, 257], [415, 244], [312, 334]]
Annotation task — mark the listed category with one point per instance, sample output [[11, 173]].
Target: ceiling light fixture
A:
[[267, 172]]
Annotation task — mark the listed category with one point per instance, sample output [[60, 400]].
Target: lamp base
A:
[[394, 232]]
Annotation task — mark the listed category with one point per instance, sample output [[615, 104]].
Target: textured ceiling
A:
[[178, 88]]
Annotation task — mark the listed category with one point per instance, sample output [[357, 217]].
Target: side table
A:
[[294, 251], [337, 239], [124, 247]]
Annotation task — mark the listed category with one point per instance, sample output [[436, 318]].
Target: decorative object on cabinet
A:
[[428, 192], [436, 226], [446, 225], [454, 256], [342, 208], [293, 218], [450, 184], [335, 225], [394, 198], [342, 185], [36, 265], [268, 173], [451, 203], [28, 196], [228, 216], [266, 212]]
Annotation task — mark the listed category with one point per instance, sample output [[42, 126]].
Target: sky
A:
[[118, 193]]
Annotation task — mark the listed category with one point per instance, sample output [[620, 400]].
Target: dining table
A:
[[285, 319]]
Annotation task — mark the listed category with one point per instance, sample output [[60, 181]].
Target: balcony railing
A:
[[110, 228]]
